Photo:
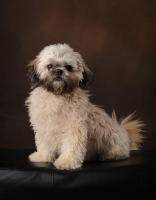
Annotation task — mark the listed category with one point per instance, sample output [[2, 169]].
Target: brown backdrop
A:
[[117, 39]]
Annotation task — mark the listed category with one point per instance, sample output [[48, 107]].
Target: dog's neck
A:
[[77, 93]]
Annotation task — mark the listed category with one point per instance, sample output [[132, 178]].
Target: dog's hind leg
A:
[[110, 157]]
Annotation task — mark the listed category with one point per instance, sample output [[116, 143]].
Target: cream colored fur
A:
[[68, 128]]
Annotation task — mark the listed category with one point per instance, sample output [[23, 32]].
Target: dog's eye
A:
[[49, 66], [68, 67]]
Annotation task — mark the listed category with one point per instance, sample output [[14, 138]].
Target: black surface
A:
[[134, 177], [17, 159]]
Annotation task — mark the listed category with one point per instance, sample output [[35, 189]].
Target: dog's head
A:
[[60, 70]]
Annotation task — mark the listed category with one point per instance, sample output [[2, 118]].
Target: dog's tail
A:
[[134, 129]]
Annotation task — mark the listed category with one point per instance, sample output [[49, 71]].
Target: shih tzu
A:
[[68, 128]]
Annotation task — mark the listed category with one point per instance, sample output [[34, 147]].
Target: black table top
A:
[[17, 159]]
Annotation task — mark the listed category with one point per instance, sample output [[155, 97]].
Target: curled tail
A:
[[134, 129]]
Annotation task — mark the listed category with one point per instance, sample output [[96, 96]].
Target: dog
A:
[[68, 128]]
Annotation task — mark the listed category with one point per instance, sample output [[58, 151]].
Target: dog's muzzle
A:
[[58, 74]]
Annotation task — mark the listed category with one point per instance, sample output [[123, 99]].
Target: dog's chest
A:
[[49, 110]]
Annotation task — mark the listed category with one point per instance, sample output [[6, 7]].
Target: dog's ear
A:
[[32, 74], [88, 78]]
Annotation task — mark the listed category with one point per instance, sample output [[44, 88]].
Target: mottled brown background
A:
[[117, 39]]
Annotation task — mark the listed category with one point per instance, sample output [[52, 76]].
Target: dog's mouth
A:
[[58, 79], [60, 85]]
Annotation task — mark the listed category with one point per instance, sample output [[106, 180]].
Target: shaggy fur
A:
[[68, 128]]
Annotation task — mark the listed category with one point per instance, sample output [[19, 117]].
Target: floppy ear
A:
[[88, 78], [32, 74]]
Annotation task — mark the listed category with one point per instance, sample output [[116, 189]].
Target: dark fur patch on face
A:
[[65, 85], [33, 76], [88, 78]]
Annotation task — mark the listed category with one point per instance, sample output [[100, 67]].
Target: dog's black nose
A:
[[59, 72]]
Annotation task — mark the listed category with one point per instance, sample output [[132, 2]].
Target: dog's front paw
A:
[[36, 157], [39, 157], [66, 164]]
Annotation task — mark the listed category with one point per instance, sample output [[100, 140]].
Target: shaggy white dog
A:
[[68, 128]]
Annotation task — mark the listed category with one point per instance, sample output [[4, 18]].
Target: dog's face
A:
[[60, 70]]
